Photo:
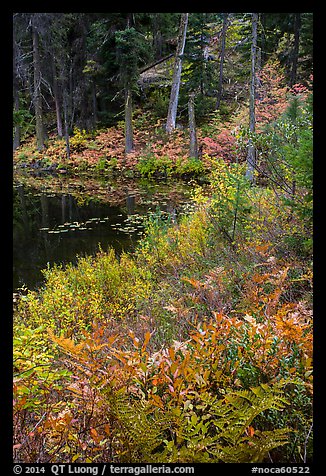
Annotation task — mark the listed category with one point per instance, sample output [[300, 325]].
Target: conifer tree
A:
[[40, 131], [129, 52], [251, 155], [221, 59]]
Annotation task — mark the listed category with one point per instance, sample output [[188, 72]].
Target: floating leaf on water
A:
[[63, 231], [83, 228], [44, 229]]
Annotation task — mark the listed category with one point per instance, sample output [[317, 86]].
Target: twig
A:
[[37, 424], [306, 443]]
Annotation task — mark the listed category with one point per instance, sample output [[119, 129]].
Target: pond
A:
[[57, 221]]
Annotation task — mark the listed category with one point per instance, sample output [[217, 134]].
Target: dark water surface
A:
[[57, 227]]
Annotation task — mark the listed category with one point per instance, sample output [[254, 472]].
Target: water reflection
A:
[[130, 203], [58, 228]]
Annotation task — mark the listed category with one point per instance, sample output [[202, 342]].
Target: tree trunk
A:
[[129, 145], [251, 156], [16, 141], [173, 104], [222, 55], [157, 36], [94, 103], [65, 113], [57, 102], [295, 54], [40, 132], [193, 150]]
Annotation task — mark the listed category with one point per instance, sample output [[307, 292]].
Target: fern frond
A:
[[247, 404], [140, 427], [253, 450]]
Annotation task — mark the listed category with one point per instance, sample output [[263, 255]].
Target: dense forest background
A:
[[198, 346], [72, 69]]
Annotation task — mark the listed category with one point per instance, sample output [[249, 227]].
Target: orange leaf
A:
[[250, 431], [171, 353], [157, 400], [146, 340]]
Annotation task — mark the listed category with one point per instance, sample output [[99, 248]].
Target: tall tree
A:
[[221, 58], [193, 149], [16, 140], [132, 51], [295, 53], [40, 130], [127, 58], [173, 104], [129, 140], [251, 154], [57, 98]]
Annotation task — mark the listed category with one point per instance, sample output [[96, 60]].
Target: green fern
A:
[[214, 430], [252, 450]]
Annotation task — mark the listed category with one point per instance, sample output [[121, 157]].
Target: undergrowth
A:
[[189, 350], [198, 346]]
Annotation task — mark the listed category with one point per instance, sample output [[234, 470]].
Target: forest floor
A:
[[155, 154]]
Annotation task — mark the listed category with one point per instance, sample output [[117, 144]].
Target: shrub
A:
[[79, 140], [190, 166], [152, 165]]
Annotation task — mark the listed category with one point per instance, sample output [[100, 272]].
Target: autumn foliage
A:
[[198, 347], [94, 381]]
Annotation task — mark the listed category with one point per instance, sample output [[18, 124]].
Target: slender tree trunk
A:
[[57, 102], [251, 155], [193, 149], [58, 115], [65, 113], [295, 54], [16, 141], [94, 103], [222, 55], [40, 132], [157, 36], [129, 145], [173, 104]]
